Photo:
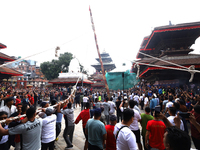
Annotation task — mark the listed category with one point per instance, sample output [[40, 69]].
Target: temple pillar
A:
[[18, 83], [25, 84]]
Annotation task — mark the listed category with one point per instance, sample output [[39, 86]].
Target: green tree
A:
[[53, 68]]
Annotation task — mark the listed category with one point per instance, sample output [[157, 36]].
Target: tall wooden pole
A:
[[102, 68]]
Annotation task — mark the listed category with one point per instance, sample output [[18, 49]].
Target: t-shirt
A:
[[106, 106], [31, 134], [141, 98], [9, 110], [84, 116], [134, 125], [96, 130], [137, 108], [17, 101], [110, 142], [194, 132], [130, 97], [70, 116], [98, 104], [144, 119], [169, 104], [157, 130], [48, 129], [126, 138], [4, 138], [153, 103], [136, 98], [85, 99], [112, 108], [171, 119], [146, 100]]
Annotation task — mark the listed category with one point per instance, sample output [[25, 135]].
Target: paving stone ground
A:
[[78, 138]]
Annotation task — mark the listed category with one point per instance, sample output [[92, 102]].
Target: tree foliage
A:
[[53, 68]]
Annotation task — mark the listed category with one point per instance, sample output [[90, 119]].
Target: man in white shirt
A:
[[172, 113], [112, 107], [106, 106], [169, 104], [85, 100], [134, 125], [130, 96], [125, 139], [146, 101], [9, 107], [136, 98], [48, 134]]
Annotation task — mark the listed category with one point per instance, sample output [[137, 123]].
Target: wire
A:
[[42, 51]]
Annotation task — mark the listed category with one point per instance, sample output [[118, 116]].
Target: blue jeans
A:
[[58, 128]]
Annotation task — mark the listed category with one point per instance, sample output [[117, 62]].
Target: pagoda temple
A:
[[108, 66], [107, 63], [170, 43], [5, 72]]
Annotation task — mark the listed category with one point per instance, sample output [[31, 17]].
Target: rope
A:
[[138, 71], [195, 71], [190, 69], [163, 60], [192, 73]]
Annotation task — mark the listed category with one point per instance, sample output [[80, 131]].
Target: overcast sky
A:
[[32, 26]]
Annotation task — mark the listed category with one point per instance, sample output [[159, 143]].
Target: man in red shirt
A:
[[111, 141], [31, 99], [155, 131], [17, 100], [84, 116]]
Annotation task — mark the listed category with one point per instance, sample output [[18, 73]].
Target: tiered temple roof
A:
[[5, 72], [172, 37], [107, 63], [108, 66], [170, 43]]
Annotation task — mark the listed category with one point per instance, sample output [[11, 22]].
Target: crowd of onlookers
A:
[[110, 121]]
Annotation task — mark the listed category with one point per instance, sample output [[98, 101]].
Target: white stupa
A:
[[74, 71]]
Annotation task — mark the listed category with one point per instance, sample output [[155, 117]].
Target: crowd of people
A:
[[170, 118]]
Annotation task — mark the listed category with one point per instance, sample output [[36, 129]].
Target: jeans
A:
[[81, 105], [93, 147], [58, 128], [4, 146], [50, 145], [68, 135], [107, 119], [196, 143], [119, 115]]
